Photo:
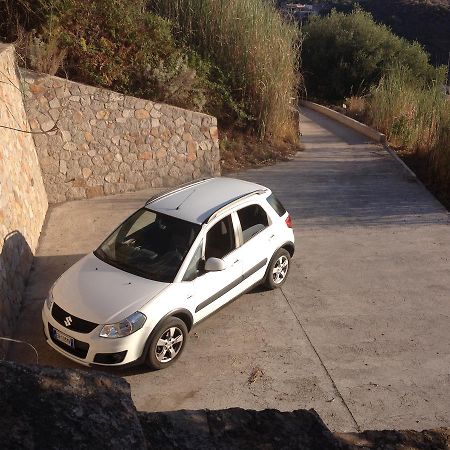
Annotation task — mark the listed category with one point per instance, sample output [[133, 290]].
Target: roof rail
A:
[[232, 203], [168, 192]]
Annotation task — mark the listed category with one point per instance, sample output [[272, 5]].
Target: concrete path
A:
[[360, 332]]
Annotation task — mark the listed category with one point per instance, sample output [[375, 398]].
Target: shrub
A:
[[345, 54], [115, 44], [249, 40]]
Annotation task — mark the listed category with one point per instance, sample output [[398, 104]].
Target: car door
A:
[[211, 290], [257, 242]]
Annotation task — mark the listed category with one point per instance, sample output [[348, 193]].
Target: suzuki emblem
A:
[[68, 321]]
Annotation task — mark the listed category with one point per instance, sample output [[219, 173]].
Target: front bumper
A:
[[91, 349]]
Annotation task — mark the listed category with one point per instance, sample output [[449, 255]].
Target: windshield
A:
[[149, 244]]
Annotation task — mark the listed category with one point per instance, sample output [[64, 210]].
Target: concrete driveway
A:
[[360, 332]]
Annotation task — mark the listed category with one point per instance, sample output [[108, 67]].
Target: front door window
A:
[[220, 239]]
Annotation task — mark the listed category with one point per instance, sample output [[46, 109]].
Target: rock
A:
[[94, 191], [141, 114], [86, 172], [56, 408], [236, 428], [145, 155], [102, 114]]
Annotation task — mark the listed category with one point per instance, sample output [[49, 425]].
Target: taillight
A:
[[289, 221]]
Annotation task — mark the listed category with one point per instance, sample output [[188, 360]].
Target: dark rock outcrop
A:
[[46, 408], [237, 428]]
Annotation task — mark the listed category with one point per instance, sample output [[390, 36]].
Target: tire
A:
[[278, 269], [159, 357]]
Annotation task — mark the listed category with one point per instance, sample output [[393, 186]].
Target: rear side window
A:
[[276, 205], [253, 219]]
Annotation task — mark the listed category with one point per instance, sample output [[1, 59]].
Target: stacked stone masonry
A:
[[94, 142], [23, 201]]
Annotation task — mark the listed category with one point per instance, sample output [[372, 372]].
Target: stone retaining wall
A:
[[105, 143], [23, 202]]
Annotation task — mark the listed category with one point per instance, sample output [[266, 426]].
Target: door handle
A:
[[235, 262], [189, 297], [271, 237]]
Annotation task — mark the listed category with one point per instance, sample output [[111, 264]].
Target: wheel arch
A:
[[183, 314], [289, 247]]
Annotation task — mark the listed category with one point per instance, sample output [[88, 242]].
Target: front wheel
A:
[[278, 269], [167, 344]]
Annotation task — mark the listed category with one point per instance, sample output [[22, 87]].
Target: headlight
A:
[[49, 300], [124, 327]]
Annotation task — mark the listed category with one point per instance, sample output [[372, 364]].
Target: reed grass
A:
[[258, 48], [414, 116]]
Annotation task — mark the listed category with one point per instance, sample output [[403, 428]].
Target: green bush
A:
[[117, 44], [345, 54], [250, 42]]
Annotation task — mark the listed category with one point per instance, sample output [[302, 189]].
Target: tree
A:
[[345, 54]]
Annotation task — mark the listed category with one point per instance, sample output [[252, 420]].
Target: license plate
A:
[[61, 337]]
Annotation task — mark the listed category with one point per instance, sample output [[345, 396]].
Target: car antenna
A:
[[181, 204]]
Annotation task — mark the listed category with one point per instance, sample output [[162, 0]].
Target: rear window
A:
[[276, 205]]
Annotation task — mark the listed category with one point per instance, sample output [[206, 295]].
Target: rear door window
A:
[[253, 219]]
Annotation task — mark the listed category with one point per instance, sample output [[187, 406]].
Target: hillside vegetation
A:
[[236, 59], [425, 21], [345, 54]]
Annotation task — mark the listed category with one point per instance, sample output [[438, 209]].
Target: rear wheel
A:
[[167, 343], [278, 269]]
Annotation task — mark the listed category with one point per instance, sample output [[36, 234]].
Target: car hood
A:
[[95, 291]]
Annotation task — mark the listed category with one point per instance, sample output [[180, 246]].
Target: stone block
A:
[[192, 151], [130, 157], [88, 136], [49, 165], [77, 117], [94, 191], [141, 114], [214, 133], [124, 167], [75, 193], [103, 114], [63, 167], [112, 177], [36, 88], [145, 155], [54, 103], [86, 172]]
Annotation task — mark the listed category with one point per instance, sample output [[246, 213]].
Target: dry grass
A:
[[416, 120], [251, 41], [239, 151]]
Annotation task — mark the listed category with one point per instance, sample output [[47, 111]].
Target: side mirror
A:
[[214, 265]]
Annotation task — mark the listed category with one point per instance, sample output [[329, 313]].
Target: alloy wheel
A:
[[280, 269], [169, 344]]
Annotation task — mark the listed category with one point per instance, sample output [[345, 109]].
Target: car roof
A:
[[197, 201]]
